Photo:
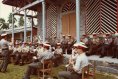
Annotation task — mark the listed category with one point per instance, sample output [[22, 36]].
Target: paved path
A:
[[106, 64], [105, 59]]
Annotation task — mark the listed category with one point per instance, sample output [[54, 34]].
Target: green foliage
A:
[[10, 19], [17, 72], [2, 20], [3, 24], [21, 21]]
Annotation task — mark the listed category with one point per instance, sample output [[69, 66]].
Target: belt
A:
[[80, 74], [5, 49]]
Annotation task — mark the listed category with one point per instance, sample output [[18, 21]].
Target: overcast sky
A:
[[4, 10]]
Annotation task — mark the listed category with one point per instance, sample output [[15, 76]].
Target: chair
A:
[[89, 71], [47, 67], [59, 58]]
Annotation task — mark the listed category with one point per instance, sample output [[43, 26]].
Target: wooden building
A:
[[62, 16], [19, 33]]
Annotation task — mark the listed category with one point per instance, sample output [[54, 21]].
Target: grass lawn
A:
[[17, 72]]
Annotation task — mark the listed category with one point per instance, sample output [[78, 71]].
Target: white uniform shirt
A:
[[15, 49], [85, 40], [2, 42], [80, 63], [40, 50], [45, 55], [31, 49], [0, 50], [116, 41], [73, 55], [19, 49], [10, 48], [107, 40], [58, 51], [95, 40], [25, 49]]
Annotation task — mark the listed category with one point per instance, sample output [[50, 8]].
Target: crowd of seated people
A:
[[102, 44], [33, 54]]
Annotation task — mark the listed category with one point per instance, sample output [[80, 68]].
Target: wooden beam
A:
[[26, 15], [29, 1], [29, 5]]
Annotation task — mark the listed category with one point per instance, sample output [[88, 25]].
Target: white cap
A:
[[104, 35], [63, 35], [3, 34], [10, 43], [69, 35], [107, 34], [91, 36], [58, 43], [40, 43], [94, 34], [81, 44], [46, 42], [47, 45]]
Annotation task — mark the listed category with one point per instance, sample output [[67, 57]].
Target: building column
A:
[[59, 28], [12, 29], [78, 20], [31, 30], [43, 21], [25, 27]]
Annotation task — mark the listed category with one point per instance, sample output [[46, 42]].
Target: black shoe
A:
[[113, 57], [55, 77], [26, 78], [101, 56], [87, 54], [3, 71]]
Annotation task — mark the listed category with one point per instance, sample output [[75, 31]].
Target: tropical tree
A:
[[2, 20], [21, 21], [10, 19], [3, 24]]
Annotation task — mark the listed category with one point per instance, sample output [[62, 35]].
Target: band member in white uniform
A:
[[76, 68]]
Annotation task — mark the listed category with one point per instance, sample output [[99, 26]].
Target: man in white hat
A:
[[39, 49], [38, 61], [70, 42], [4, 45], [54, 41], [64, 43], [58, 54], [25, 51], [107, 40], [84, 38], [80, 62], [95, 44]]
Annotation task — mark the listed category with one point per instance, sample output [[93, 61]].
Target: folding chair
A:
[[47, 68], [89, 71]]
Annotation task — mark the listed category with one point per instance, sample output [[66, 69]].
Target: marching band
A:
[[34, 53]]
